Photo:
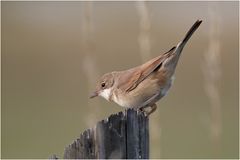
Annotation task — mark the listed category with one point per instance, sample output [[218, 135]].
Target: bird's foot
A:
[[146, 111]]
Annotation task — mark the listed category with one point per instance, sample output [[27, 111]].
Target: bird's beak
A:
[[94, 94]]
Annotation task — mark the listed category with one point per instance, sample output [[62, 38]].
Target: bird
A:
[[142, 86]]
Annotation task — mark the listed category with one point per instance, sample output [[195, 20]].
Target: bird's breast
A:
[[143, 92], [138, 95]]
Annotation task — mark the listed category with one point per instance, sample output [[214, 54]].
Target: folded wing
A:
[[138, 74]]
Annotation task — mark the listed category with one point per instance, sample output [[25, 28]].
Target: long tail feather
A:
[[189, 33], [173, 59]]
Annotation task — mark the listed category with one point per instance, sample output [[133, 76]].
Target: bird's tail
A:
[[171, 61], [189, 34]]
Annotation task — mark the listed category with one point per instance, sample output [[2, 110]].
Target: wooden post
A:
[[122, 135]]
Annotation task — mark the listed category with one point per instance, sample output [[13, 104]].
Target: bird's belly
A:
[[166, 88], [143, 92]]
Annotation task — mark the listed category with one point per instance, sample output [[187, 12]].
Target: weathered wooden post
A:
[[123, 135]]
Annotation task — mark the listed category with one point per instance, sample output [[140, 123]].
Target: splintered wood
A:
[[123, 135]]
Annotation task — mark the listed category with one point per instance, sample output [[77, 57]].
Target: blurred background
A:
[[54, 52]]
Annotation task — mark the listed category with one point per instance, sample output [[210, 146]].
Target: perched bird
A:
[[144, 85]]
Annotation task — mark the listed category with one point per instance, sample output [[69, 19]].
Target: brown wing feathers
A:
[[145, 70], [138, 74]]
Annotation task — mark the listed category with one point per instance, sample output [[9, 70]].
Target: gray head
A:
[[104, 86]]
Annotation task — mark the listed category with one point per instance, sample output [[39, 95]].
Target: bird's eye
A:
[[103, 84]]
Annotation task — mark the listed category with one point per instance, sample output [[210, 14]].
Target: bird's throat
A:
[[106, 93]]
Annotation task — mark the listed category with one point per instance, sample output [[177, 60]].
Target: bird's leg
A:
[[146, 112], [143, 110], [153, 109]]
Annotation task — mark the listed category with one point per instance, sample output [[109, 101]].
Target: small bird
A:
[[142, 86]]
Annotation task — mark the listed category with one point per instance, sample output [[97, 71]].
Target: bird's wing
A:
[[138, 74]]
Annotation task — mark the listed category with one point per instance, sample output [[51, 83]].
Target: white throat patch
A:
[[106, 93]]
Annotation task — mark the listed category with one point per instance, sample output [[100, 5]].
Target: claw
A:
[[147, 113]]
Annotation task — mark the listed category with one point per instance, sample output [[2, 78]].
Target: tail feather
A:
[[189, 33], [173, 59]]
